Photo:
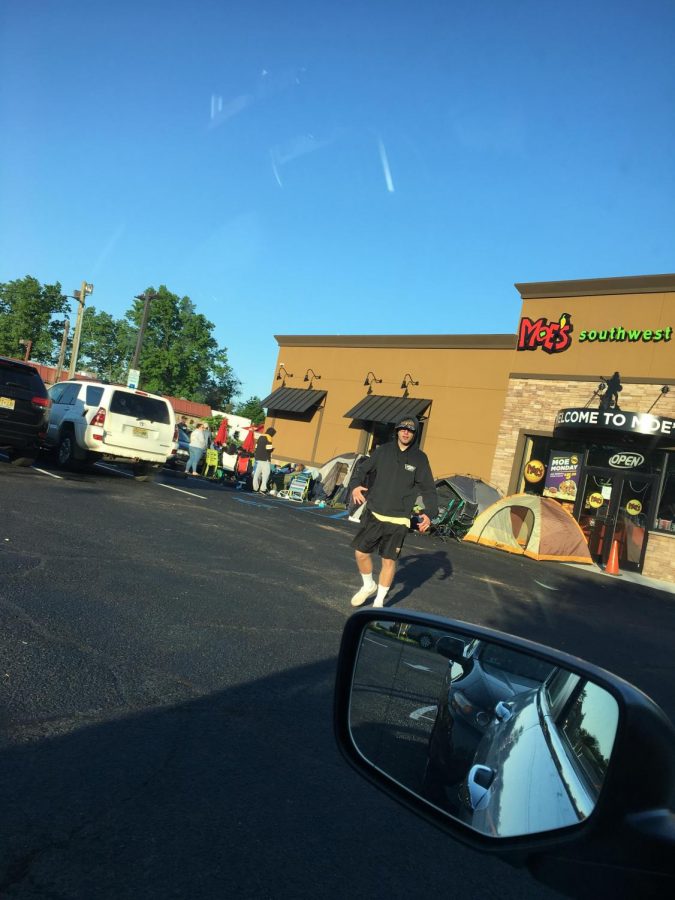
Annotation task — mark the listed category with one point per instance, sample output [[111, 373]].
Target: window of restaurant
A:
[[665, 515], [536, 461]]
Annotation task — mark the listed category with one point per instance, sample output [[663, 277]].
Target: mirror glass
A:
[[500, 739]]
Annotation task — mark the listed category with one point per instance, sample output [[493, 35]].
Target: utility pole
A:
[[79, 296], [134, 372], [62, 351]]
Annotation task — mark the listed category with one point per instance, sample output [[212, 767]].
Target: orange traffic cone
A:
[[612, 567]]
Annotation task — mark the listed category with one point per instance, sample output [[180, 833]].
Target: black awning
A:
[[388, 410], [296, 400]]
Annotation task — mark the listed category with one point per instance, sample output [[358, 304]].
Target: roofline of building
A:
[[595, 287], [401, 341]]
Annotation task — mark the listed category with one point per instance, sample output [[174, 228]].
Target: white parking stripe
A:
[[45, 472], [170, 487], [110, 469]]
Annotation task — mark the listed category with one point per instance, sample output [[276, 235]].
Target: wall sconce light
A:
[[369, 380], [313, 376], [664, 390], [286, 374], [407, 381]]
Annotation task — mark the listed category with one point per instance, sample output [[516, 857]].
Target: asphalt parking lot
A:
[[168, 657]]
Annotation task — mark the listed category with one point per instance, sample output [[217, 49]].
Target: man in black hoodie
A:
[[397, 473]]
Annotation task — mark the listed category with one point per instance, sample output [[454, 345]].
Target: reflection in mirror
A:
[[500, 739]]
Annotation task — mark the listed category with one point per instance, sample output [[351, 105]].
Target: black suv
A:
[[24, 406]]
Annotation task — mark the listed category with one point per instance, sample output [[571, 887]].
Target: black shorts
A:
[[385, 536]]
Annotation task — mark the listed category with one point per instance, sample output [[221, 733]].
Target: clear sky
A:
[[333, 166]]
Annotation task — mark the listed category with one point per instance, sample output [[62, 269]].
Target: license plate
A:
[[7, 402], [140, 432]]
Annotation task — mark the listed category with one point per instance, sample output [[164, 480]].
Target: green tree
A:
[[251, 409], [106, 345], [35, 312], [180, 356]]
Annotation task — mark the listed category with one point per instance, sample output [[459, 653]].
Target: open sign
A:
[[626, 460]]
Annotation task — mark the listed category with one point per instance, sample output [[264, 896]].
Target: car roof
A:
[[19, 364], [116, 387]]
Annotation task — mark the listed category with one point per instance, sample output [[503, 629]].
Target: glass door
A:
[[615, 507], [593, 511]]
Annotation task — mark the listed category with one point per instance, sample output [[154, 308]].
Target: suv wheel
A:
[[425, 641], [65, 453]]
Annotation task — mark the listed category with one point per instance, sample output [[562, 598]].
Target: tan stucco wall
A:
[[467, 388]]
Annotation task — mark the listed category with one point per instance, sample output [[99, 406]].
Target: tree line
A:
[[180, 356]]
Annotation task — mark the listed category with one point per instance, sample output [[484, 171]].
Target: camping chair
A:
[[242, 470], [210, 464], [298, 489], [463, 519], [228, 465], [456, 519]]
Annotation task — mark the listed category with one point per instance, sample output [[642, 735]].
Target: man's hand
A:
[[425, 523], [358, 495]]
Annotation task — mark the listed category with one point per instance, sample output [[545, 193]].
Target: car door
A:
[[63, 396]]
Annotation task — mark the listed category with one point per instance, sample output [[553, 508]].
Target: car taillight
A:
[[99, 418], [43, 402], [175, 434]]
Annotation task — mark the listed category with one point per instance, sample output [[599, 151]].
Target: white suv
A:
[[90, 421]]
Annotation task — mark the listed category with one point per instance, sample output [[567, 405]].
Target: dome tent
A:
[[532, 526]]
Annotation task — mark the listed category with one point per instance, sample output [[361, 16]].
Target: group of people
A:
[[391, 479]]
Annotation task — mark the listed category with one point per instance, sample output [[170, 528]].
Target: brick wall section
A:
[[660, 559], [531, 405]]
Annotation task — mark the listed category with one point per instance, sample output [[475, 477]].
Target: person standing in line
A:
[[197, 449], [263, 458], [397, 473]]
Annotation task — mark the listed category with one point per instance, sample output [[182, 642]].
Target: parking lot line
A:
[[170, 487], [111, 469], [45, 472]]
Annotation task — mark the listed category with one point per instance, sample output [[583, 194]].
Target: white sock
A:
[[368, 580], [381, 594]]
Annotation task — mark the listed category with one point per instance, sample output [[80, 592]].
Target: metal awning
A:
[[296, 400], [388, 410]]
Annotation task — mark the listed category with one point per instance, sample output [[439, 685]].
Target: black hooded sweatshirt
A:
[[395, 479]]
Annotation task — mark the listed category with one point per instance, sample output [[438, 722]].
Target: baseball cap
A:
[[409, 422]]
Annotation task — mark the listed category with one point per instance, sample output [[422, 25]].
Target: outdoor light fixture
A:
[[407, 381], [664, 390], [314, 375], [370, 378], [286, 374]]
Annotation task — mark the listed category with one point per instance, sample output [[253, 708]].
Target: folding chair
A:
[[298, 489], [210, 464]]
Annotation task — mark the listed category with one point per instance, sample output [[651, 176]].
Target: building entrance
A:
[[616, 506]]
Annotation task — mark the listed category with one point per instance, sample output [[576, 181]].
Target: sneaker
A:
[[364, 594], [377, 602]]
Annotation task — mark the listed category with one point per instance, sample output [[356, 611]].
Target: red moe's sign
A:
[[552, 337]]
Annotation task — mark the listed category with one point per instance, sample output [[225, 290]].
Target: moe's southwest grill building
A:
[[578, 404]]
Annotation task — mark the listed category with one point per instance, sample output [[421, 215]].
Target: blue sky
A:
[[314, 167]]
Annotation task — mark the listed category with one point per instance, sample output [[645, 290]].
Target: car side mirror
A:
[[533, 752], [451, 648]]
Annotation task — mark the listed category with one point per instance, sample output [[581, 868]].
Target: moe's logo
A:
[[552, 337]]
